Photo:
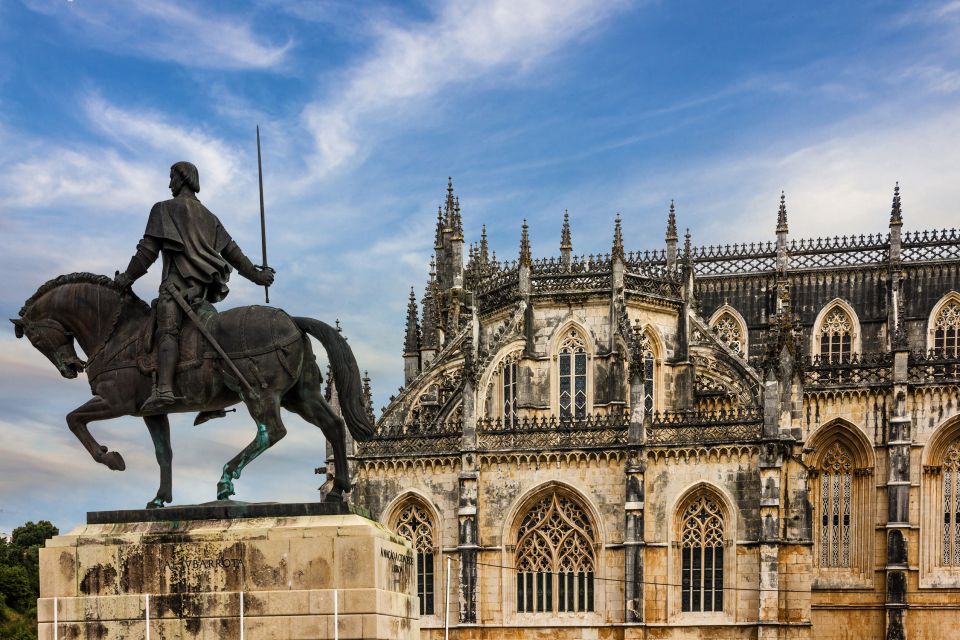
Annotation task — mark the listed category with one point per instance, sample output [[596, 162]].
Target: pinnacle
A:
[[672, 223], [782, 214]]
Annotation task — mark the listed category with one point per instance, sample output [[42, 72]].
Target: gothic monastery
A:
[[749, 441]]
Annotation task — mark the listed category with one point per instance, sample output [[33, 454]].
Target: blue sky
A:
[[596, 106]]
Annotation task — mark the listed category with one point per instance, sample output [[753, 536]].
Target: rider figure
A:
[[196, 252]]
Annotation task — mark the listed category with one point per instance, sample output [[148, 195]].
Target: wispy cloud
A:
[[466, 43], [116, 173], [188, 34]]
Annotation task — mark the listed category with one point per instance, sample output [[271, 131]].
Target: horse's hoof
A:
[[224, 490], [113, 460], [156, 503]]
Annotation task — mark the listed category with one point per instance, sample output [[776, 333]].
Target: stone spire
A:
[[484, 247], [368, 397], [411, 343], [457, 223], [672, 223], [782, 214], [687, 248], [525, 257], [449, 205], [566, 243], [672, 238], [617, 251], [782, 258], [438, 240], [429, 341], [896, 216]]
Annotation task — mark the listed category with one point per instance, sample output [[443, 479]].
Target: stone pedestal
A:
[[280, 571]]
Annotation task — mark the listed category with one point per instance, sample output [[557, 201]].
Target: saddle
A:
[[193, 347]]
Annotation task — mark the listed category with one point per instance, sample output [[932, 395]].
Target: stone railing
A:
[[551, 433], [933, 367], [857, 370], [697, 427], [413, 439], [924, 246]]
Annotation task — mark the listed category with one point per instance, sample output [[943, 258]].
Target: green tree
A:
[[16, 588]]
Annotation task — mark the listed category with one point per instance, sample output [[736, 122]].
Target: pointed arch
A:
[[572, 348], [413, 516], [836, 331], [553, 539], [730, 328], [940, 507], [492, 392], [702, 551], [943, 325], [651, 357], [840, 466]]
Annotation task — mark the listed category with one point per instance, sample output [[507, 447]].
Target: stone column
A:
[[467, 540], [633, 538], [899, 440], [771, 463]]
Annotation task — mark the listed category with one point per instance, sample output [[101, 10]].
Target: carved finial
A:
[[782, 214], [457, 222], [525, 257], [438, 240], [672, 223], [411, 343], [450, 205], [565, 240], [896, 215], [617, 239], [433, 269], [686, 245], [368, 396], [484, 247], [337, 323]]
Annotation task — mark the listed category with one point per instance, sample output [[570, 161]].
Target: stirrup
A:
[[157, 402]]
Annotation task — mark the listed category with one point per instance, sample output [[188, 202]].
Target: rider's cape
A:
[[191, 239]]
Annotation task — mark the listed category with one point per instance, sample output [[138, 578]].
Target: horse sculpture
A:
[[113, 327]]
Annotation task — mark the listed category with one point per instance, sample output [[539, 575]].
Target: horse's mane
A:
[[83, 278]]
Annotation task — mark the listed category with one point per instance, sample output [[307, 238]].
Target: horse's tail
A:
[[346, 374]]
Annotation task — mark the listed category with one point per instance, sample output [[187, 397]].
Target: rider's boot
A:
[[167, 353]]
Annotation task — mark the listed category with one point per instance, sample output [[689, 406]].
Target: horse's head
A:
[[53, 340]]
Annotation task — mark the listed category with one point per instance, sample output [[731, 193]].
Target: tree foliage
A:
[[20, 579]]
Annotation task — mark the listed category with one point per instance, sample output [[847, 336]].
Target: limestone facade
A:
[[750, 441]]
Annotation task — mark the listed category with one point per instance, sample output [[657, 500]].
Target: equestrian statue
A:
[[181, 355]]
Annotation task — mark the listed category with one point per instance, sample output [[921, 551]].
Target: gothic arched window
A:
[[701, 554], [730, 331], [555, 557], [572, 360], [414, 524], [836, 336], [508, 389], [649, 373], [946, 329], [836, 490], [950, 556]]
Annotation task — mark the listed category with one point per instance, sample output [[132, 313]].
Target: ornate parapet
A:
[[412, 439], [856, 370], [553, 433], [699, 427], [935, 367]]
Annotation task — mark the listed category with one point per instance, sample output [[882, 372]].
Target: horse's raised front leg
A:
[[159, 427], [266, 413], [95, 409]]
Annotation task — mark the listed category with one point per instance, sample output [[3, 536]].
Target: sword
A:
[[178, 298], [263, 221]]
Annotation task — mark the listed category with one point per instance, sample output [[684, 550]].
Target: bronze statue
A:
[[196, 250], [256, 355]]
